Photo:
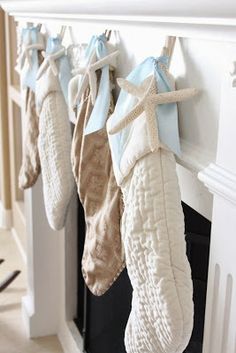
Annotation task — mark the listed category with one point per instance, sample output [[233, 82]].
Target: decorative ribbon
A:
[[85, 61], [96, 57], [100, 110], [167, 117], [32, 41], [56, 59]]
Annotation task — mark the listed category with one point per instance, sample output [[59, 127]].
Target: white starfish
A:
[[89, 74], [25, 55], [50, 60], [148, 100]]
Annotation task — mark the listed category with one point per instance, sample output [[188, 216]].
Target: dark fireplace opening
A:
[[197, 230], [102, 320]]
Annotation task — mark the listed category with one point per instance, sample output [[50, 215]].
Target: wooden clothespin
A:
[[39, 26], [30, 24], [62, 33], [169, 47], [73, 41], [108, 34]]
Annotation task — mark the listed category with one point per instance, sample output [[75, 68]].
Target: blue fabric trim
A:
[[98, 117], [28, 77], [64, 69], [167, 115]]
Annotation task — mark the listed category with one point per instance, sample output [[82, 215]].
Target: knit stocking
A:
[[54, 149], [30, 168], [101, 198], [153, 234]]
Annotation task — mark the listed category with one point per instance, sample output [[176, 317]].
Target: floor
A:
[[12, 333]]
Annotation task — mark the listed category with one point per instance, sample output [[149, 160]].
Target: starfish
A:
[[50, 60], [148, 101], [26, 53], [89, 74]]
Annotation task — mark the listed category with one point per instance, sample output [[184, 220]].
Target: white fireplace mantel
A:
[[205, 58], [201, 12], [215, 19]]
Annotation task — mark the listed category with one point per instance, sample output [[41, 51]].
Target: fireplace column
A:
[[220, 178]]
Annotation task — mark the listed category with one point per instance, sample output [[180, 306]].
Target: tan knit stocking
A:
[[30, 168], [101, 198]]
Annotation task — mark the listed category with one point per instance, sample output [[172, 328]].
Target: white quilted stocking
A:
[[54, 145], [161, 318]]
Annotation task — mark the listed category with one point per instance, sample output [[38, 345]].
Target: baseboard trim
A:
[[70, 337]]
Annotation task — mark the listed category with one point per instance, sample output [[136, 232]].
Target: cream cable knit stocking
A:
[[54, 147], [161, 317]]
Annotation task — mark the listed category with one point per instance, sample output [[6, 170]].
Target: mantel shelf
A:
[[201, 9], [179, 17]]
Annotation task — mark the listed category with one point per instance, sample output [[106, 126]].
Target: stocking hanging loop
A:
[[39, 26], [169, 47], [62, 32], [73, 41], [108, 34]]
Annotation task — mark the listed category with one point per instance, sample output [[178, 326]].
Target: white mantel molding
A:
[[219, 181], [204, 11], [194, 158], [201, 19]]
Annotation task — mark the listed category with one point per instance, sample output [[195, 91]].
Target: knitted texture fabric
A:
[[100, 196], [161, 318], [54, 145], [30, 167]]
